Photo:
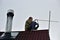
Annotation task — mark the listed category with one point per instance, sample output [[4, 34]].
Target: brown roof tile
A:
[[33, 35]]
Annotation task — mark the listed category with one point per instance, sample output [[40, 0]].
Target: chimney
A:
[[10, 15], [7, 34]]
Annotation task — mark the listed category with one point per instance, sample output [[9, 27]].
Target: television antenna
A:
[[49, 21]]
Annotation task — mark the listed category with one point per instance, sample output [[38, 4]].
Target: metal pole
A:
[[49, 20], [10, 15]]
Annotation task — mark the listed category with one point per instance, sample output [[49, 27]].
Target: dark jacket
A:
[[34, 25]]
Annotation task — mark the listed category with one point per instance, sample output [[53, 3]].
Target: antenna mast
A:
[[49, 20]]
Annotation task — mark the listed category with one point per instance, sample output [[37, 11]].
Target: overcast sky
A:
[[38, 9]]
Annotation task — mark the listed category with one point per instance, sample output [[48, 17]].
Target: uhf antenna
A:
[[49, 21]]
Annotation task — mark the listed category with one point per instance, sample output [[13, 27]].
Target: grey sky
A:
[[35, 8]]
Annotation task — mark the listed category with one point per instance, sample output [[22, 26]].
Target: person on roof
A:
[[31, 25], [28, 23]]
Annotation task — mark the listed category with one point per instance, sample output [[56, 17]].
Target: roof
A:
[[8, 35], [33, 35]]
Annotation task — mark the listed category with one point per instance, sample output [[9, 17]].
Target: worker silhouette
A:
[[31, 25], [27, 24]]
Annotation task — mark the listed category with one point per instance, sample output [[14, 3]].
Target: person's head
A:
[[30, 19]]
